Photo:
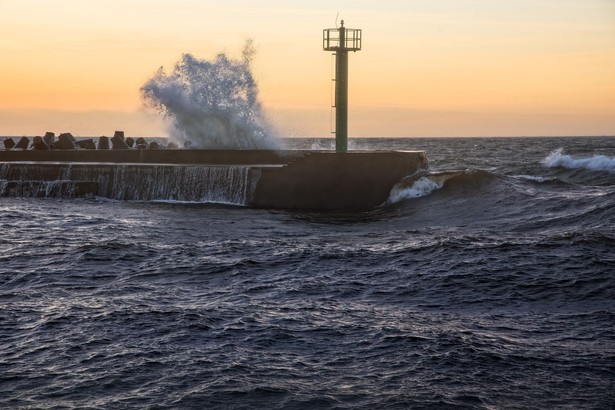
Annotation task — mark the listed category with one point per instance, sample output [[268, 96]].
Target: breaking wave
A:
[[536, 178], [594, 163], [423, 184], [211, 104]]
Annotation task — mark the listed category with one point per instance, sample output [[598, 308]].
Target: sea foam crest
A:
[[593, 163], [423, 186], [212, 104]]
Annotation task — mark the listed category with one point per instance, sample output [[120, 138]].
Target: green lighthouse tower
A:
[[341, 40]]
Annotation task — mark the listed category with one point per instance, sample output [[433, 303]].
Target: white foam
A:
[[593, 163], [421, 187], [212, 104], [203, 202], [534, 178]]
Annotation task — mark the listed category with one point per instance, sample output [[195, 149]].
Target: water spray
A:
[[212, 104]]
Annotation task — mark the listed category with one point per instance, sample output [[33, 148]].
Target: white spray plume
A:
[[212, 104]]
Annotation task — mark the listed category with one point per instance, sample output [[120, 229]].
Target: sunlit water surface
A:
[[487, 282]]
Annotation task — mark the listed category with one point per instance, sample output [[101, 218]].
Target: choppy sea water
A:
[[486, 282]]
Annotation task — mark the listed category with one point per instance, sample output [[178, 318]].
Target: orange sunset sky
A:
[[427, 68]]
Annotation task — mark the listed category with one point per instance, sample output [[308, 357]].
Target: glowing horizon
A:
[[447, 68]]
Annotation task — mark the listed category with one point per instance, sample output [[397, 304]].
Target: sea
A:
[[485, 282]]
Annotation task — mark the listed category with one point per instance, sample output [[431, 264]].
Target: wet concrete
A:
[[309, 180]]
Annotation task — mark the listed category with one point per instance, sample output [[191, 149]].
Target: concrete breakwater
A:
[[66, 141], [282, 179]]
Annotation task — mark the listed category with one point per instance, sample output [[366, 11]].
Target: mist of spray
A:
[[212, 104]]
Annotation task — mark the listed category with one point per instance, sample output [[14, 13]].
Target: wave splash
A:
[[211, 104], [420, 187], [425, 183], [594, 163]]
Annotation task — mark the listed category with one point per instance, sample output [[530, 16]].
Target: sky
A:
[[426, 69]]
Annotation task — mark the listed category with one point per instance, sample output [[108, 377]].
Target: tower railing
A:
[[331, 39]]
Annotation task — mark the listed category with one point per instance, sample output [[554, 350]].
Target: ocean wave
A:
[[420, 187], [537, 178], [424, 184], [204, 201], [594, 163]]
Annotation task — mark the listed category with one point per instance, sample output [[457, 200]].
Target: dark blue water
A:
[[487, 282]]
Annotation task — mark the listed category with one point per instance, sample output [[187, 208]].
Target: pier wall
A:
[[309, 180]]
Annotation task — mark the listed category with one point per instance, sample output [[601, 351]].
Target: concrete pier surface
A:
[[284, 179]]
